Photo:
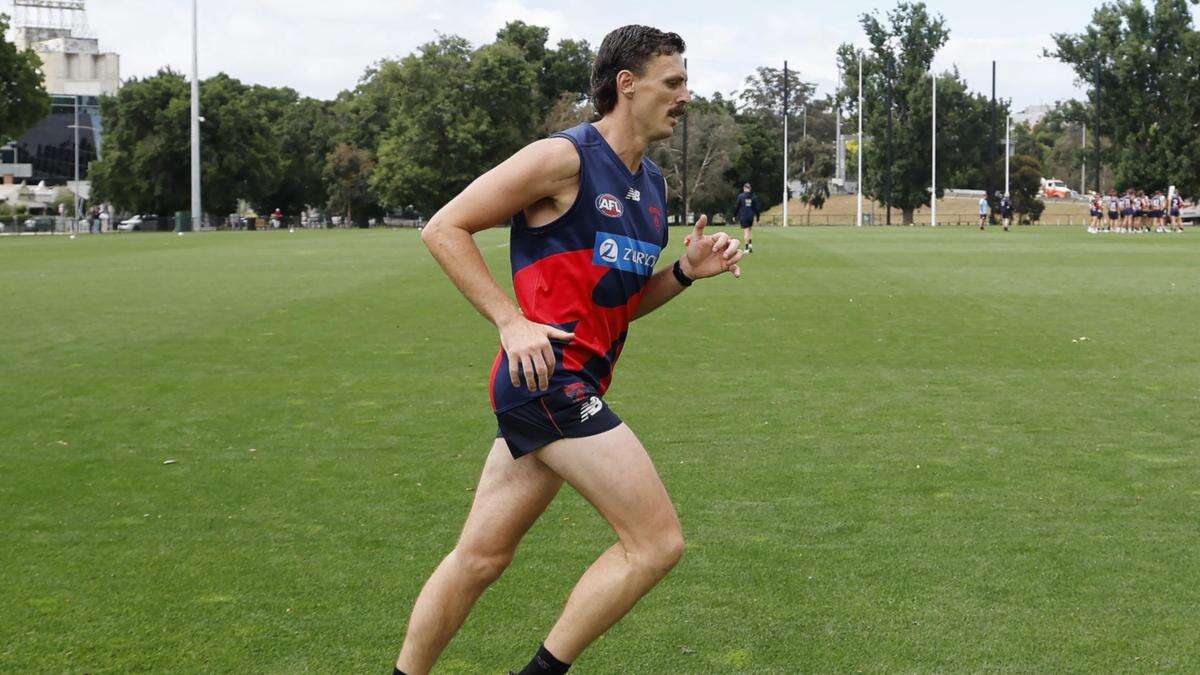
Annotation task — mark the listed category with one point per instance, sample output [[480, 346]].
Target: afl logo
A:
[[608, 250], [608, 205]]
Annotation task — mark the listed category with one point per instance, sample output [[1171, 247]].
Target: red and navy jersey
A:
[[586, 272]]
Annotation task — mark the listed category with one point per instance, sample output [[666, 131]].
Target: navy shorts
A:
[[747, 224], [573, 411]]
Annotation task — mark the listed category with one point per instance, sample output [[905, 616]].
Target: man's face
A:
[[661, 96]]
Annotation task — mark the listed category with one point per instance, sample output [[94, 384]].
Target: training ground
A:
[[892, 450]]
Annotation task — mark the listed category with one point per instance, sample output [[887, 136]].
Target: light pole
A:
[[75, 124], [858, 218], [933, 164], [1007, 150], [75, 188], [195, 120]]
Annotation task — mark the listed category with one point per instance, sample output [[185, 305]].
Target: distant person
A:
[[1006, 210], [1114, 211], [747, 210], [1158, 205], [1096, 212], [984, 210], [1174, 214]]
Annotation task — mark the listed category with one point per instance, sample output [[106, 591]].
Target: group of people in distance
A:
[[1135, 211]]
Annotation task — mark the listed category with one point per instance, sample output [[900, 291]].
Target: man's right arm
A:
[[544, 170]]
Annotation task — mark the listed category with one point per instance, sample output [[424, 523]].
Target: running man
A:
[[747, 210], [1006, 210], [589, 224], [983, 211]]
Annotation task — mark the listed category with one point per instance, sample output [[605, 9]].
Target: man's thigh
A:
[[511, 495], [613, 471]]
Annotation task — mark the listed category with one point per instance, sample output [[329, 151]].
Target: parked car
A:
[[139, 223]]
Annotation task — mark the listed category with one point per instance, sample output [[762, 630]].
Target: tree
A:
[[1026, 188], [305, 131], [240, 152], [457, 113], [817, 167], [1149, 60], [147, 150], [759, 118], [347, 174], [23, 98], [964, 132], [712, 148], [897, 100], [760, 161], [567, 111]]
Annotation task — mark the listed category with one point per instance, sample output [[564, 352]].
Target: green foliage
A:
[[760, 161], [964, 133], [305, 130], [712, 149], [455, 113], [23, 98], [815, 164], [147, 152], [145, 167], [896, 71], [347, 174], [1025, 187], [1149, 60]]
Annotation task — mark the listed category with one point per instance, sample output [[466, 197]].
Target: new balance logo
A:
[[635, 195], [593, 406]]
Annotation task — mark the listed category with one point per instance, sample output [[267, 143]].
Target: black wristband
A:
[[680, 276]]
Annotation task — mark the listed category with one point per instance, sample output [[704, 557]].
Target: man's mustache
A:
[[678, 111]]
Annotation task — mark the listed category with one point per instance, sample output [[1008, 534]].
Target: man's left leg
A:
[[613, 472]]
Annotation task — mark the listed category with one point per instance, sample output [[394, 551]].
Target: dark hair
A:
[[627, 48]]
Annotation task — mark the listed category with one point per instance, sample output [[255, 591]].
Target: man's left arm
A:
[[704, 256]]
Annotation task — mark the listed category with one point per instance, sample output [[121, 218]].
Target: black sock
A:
[[544, 663], [397, 671]]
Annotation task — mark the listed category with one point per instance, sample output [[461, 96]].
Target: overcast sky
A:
[[321, 47]]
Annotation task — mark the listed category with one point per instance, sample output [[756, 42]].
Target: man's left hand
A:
[[709, 255]]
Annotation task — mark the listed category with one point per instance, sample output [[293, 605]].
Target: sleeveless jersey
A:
[[586, 272]]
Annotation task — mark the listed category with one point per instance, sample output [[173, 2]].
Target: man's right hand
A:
[[527, 345]]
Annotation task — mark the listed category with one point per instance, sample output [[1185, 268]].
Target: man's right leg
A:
[[512, 494], [746, 232]]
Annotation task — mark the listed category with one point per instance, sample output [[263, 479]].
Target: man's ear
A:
[[626, 83]]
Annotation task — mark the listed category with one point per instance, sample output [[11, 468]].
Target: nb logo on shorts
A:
[[593, 406]]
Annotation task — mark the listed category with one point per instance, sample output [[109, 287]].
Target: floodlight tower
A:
[[195, 121]]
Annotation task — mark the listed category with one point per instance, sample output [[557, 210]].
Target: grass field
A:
[[891, 450]]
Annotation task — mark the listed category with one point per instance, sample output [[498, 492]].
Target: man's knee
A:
[[483, 567], [661, 552]]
